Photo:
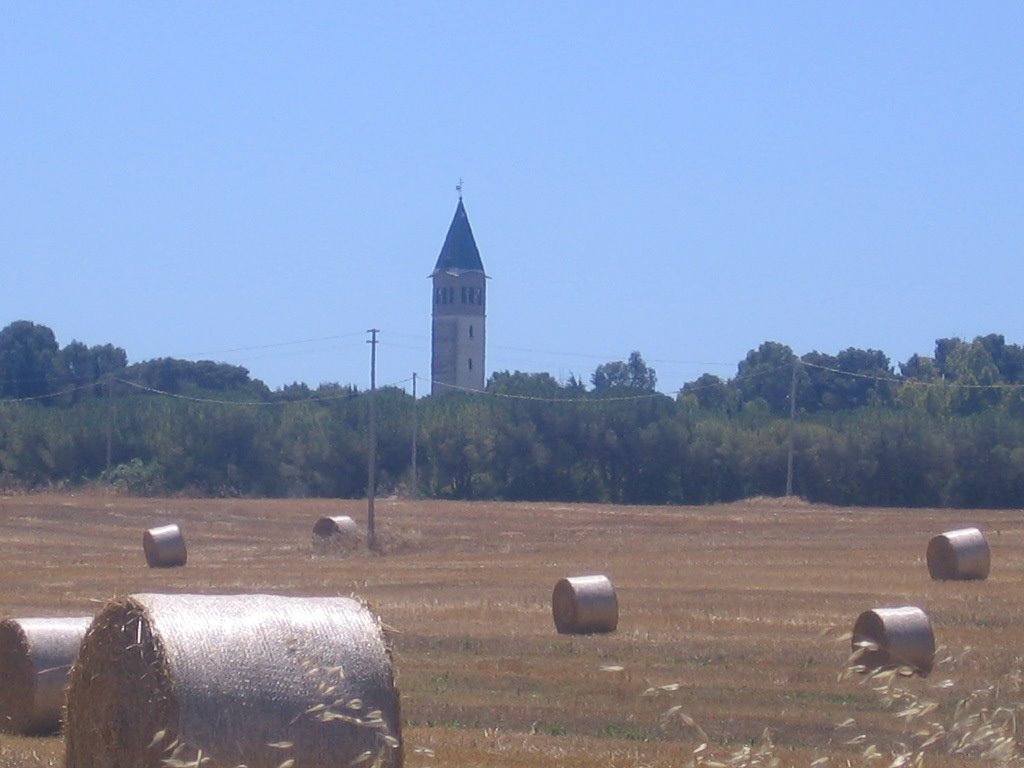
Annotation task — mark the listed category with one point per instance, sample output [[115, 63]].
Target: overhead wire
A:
[[590, 399], [274, 345], [30, 398], [194, 399], [906, 381], [689, 387]]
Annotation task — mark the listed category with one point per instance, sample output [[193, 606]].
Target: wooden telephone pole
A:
[[371, 461], [792, 425], [415, 429]]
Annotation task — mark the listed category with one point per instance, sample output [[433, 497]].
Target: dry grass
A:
[[731, 621]]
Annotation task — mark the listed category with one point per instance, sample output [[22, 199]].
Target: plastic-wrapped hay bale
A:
[[253, 680], [336, 534], [164, 547], [585, 604], [961, 554], [35, 658], [894, 637]]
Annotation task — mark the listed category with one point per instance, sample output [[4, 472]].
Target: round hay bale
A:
[[894, 637], [164, 547], [35, 658], [584, 604], [255, 680], [336, 534], [959, 555]]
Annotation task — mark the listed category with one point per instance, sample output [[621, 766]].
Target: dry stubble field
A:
[[740, 605]]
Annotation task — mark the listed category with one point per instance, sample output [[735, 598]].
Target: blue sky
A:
[[260, 183]]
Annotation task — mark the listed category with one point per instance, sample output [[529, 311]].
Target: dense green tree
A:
[[1009, 358], [526, 384], [920, 368], [989, 451], [970, 366], [175, 376], [766, 374], [522, 457], [712, 470], [853, 378], [634, 374], [81, 366], [608, 376], [641, 375], [27, 456], [947, 430], [711, 393], [923, 387], [456, 433], [394, 438], [28, 360]]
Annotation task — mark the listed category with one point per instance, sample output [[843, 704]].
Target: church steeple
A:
[[459, 314], [459, 252]]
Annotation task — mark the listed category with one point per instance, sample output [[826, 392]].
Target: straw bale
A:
[[35, 658], [584, 604], [253, 680], [895, 637], [961, 555], [164, 547], [336, 534]]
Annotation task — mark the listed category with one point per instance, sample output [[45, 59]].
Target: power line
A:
[[273, 345], [891, 379], [63, 392], [402, 346], [903, 381], [215, 401], [371, 441]]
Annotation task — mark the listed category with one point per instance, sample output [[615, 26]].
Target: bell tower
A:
[[459, 304]]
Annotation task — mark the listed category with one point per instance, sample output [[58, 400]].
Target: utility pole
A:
[[792, 424], [371, 463], [110, 421], [415, 429]]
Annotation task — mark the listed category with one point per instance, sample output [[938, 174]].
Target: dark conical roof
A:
[[459, 252]]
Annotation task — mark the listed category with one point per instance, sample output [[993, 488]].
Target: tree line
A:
[[944, 430]]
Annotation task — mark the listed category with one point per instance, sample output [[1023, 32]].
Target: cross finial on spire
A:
[[458, 188]]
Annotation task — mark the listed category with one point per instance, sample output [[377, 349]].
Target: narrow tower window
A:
[[471, 331], [471, 363]]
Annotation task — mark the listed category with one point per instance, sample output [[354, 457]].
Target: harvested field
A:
[[737, 616]]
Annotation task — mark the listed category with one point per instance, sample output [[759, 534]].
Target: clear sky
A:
[[260, 183]]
